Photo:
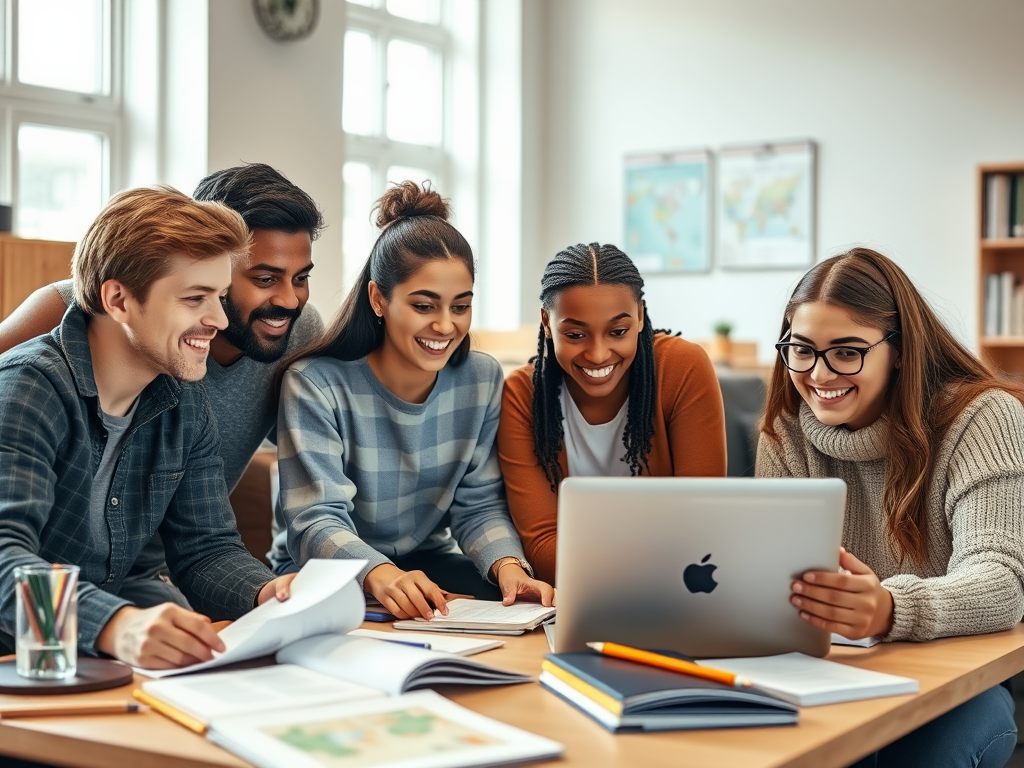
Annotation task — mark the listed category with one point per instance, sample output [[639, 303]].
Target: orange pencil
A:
[[667, 662]]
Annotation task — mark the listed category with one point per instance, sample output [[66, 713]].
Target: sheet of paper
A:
[[325, 598], [461, 646], [489, 612], [866, 642]]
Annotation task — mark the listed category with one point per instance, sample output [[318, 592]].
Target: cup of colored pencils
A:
[[47, 624]]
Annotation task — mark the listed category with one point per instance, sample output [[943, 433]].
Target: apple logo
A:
[[698, 578]]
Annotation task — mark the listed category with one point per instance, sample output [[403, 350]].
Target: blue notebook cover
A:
[[656, 699]]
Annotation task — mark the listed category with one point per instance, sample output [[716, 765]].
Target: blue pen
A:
[[409, 642]]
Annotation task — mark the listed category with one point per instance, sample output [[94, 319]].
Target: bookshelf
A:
[[1001, 330]]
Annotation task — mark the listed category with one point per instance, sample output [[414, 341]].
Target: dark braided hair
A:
[[579, 265]]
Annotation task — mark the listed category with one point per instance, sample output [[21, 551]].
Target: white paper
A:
[[864, 642], [461, 646], [807, 681], [324, 598], [490, 612]]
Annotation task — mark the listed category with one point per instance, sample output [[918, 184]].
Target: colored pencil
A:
[[667, 662], [56, 710], [169, 712]]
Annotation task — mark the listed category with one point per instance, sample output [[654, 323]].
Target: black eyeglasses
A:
[[843, 361]]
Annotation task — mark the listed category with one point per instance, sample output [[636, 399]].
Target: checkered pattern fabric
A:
[[367, 475], [169, 478]]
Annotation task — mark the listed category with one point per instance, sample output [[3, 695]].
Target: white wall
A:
[[280, 103], [904, 98]]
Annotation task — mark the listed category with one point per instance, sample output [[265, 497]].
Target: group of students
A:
[[399, 445]]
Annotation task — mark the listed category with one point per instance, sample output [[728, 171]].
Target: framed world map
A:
[[668, 211], [765, 206]]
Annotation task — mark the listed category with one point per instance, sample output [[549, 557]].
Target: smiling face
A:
[[595, 330], [269, 288], [170, 332], [855, 401], [426, 318]]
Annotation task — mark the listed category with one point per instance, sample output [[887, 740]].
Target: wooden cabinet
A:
[[29, 264]]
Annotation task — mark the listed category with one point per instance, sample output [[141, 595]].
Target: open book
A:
[[325, 598], [483, 617], [326, 669], [418, 730]]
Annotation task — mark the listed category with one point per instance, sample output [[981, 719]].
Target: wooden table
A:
[[950, 672]]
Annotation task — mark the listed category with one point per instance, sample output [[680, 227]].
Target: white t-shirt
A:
[[593, 450]]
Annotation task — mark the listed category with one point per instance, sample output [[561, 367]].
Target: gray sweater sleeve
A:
[[983, 589]]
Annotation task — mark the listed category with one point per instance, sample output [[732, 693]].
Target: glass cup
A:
[[46, 643]]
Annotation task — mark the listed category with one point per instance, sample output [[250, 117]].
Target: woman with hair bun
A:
[[607, 394], [387, 426]]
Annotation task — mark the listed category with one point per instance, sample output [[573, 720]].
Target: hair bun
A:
[[406, 200]]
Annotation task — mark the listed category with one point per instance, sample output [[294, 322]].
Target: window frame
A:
[[22, 103]]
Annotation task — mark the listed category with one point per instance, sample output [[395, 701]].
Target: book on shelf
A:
[[483, 617], [627, 696], [325, 598], [1004, 305], [1004, 205], [322, 670]]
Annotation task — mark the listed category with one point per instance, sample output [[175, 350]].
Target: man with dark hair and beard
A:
[[266, 321]]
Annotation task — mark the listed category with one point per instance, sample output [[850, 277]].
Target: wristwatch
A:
[[510, 559]]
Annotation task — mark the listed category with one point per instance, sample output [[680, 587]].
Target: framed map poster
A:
[[766, 206], [668, 211]]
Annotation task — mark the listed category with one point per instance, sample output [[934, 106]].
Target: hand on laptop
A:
[[852, 604], [163, 637], [406, 594]]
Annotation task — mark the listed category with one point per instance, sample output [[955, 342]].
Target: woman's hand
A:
[[515, 582], [281, 588], [406, 594], [854, 604]]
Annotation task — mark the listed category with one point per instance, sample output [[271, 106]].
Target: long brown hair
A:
[[936, 380]]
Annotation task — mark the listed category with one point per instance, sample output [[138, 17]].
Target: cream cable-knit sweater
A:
[[973, 581]]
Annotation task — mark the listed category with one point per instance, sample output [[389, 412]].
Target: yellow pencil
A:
[[170, 712], [57, 710], [667, 662]]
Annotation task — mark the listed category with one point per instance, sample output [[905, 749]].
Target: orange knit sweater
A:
[[689, 440]]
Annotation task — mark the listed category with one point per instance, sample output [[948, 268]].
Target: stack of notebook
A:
[[625, 695]]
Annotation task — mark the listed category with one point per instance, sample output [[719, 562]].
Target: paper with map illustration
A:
[[416, 730], [765, 206]]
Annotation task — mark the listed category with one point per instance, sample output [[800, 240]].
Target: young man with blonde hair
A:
[[107, 438]]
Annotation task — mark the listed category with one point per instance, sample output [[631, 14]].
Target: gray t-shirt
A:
[[117, 429]]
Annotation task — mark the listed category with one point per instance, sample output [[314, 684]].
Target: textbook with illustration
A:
[[325, 669], [325, 598], [417, 730], [483, 617]]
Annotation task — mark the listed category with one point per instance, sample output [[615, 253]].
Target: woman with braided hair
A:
[[606, 395]]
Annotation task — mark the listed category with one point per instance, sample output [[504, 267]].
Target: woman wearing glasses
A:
[[872, 388]]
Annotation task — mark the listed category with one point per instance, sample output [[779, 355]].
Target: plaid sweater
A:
[[367, 475]]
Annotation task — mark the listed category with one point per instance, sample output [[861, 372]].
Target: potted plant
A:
[[721, 345]]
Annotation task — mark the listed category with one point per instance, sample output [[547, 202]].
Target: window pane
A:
[[399, 173], [357, 112], [61, 44], [426, 11], [357, 229], [414, 93], [60, 181]]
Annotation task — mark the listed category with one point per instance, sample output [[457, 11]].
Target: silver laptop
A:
[[701, 566]]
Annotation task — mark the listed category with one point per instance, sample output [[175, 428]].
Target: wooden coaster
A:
[[93, 675]]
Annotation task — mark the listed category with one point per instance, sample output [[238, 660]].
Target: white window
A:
[[60, 112], [395, 105]]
